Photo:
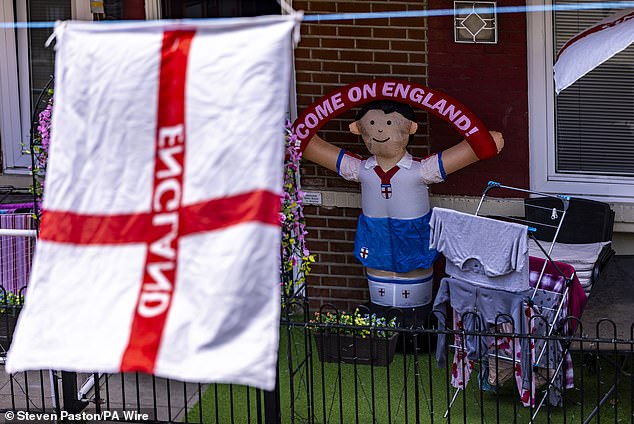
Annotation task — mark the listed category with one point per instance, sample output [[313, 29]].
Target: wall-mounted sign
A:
[[312, 198]]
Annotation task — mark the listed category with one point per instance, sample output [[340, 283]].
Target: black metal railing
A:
[[340, 372]]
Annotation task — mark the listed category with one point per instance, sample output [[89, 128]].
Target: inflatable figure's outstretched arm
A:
[[454, 158], [462, 155], [322, 153]]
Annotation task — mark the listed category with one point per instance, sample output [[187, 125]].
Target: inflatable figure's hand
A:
[[499, 140], [462, 154]]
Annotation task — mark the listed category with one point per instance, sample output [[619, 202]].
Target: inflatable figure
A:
[[392, 239]]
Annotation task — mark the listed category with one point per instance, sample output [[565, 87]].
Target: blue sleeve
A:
[[440, 166], [341, 153]]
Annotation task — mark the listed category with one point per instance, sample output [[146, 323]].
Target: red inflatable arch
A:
[[440, 104]]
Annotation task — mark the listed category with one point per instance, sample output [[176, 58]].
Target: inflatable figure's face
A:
[[384, 134]]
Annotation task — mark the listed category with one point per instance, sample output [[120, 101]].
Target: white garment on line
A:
[[482, 250]]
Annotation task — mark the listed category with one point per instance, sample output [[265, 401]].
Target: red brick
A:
[[310, 65], [354, 31], [416, 34], [352, 212], [342, 223], [313, 280], [308, 170], [350, 294], [357, 282], [350, 235], [417, 22], [316, 222], [333, 281], [309, 41], [353, 7], [321, 6], [387, 7], [338, 67], [341, 246], [407, 45], [337, 43], [333, 234], [385, 32], [372, 44], [331, 258], [408, 69], [310, 210], [374, 68], [391, 57], [314, 183], [323, 30], [324, 54], [319, 269], [320, 292], [325, 78], [317, 246], [357, 55], [310, 88], [417, 58], [330, 211], [303, 77], [341, 183], [304, 100]]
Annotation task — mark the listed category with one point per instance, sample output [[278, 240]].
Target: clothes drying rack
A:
[[556, 219]]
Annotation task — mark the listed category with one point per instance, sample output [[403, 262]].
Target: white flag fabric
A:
[[590, 48], [160, 238]]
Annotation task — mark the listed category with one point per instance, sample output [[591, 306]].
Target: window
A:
[[27, 64], [582, 141], [178, 9]]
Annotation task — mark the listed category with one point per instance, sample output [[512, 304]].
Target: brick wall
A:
[[330, 55], [337, 277], [491, 80]]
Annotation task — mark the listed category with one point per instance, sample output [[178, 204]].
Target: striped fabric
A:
[[16, 252]]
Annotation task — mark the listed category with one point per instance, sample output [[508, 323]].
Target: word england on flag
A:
[[159, 243]]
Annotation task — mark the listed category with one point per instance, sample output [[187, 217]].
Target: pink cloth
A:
[[16, 252], [462, 367], [552, 280], [576, 296]]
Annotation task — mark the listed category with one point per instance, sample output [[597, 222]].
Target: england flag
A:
[[593, 46], [158, 249]]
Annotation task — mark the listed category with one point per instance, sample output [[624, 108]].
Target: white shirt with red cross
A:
[[399, 193]]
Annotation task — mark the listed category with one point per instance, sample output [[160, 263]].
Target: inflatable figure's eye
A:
[[389, 122], [372, 122]]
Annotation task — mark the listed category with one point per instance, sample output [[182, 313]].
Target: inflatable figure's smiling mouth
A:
[[380, 141]]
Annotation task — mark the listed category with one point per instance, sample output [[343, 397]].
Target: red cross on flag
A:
[[160, 230]]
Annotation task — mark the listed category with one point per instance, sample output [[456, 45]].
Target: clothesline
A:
[[387, 15]]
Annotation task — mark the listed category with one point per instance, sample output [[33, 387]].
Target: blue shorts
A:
[[397, 245]]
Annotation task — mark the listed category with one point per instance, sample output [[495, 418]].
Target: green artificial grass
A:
[[410, 390]]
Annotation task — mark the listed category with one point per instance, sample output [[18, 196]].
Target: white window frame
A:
[[541, 113], [11, 131], [15, 96]]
